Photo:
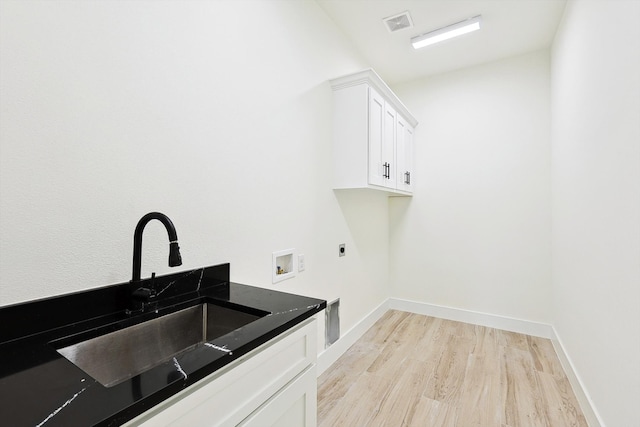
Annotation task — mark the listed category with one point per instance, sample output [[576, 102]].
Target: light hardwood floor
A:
[[414, 370]]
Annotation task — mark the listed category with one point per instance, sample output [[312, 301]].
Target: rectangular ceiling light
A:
[[450, 31]]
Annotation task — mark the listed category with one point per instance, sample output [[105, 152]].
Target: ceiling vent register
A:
[[398, 22]]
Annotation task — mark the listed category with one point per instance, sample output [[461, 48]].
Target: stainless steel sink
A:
[[118, 356]]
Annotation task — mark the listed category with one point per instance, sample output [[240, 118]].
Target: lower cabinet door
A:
[[295, 405]]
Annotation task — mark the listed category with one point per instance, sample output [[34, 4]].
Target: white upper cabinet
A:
[[373, 135]]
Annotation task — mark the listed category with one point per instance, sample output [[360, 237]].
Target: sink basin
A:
[[117, 356]]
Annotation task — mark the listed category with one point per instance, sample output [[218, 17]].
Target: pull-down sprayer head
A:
[[175, 259]]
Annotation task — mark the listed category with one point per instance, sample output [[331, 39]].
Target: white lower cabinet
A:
[[273, 385]]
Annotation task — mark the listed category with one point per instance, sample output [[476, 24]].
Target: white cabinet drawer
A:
[[293, 406]]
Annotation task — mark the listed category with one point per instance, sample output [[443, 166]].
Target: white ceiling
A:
[[509, 27]]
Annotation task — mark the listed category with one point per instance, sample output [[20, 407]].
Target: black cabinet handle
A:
[[385, 173], [407, 178]]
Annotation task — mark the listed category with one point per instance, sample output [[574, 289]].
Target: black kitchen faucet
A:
[[141, 293]]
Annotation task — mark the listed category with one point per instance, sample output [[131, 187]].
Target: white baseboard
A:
[[593, 419], [338, 348], [474, 317]]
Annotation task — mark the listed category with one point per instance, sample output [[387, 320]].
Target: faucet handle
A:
[[144, 294]]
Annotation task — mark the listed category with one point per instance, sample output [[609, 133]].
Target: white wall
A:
[[596, 201], [113, 109], [476, 234]]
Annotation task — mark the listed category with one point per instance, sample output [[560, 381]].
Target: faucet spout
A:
[[174, 250]]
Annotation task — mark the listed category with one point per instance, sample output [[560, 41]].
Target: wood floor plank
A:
[[428, 348], [446, 382], [429, 412], [480, 392], [411, 330], [361, 404], [513, 339], [414, 370], [385, 328], [521, 393], [334, 383], [400, 404], [394, 349], [562, 406], [461, 329], [486, 343], [545, 357]]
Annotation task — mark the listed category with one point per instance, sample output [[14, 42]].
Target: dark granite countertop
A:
[[39, 387]]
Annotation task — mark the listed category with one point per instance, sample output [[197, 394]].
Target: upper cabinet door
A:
[[389, 147], [382, 141], [404, 153], [377, 170]]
